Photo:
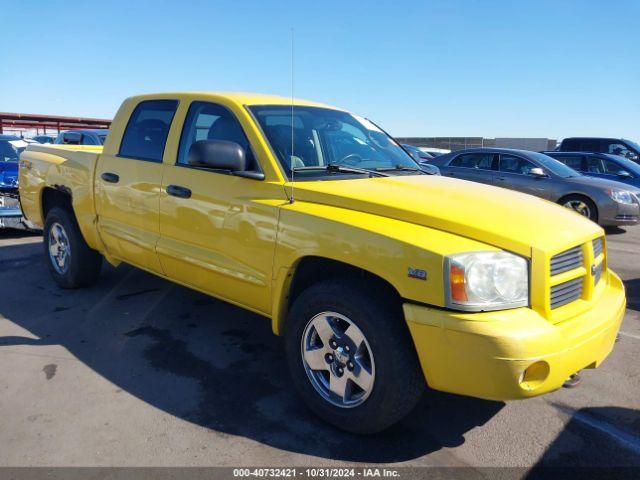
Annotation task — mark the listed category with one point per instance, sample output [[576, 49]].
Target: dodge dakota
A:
[[382, 279]]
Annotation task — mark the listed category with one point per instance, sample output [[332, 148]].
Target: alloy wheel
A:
[[338, 359], [59, 248]]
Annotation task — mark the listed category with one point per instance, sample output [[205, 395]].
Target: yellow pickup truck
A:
[[381, 278]]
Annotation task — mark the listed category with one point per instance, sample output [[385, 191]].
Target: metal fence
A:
[[460, 143]]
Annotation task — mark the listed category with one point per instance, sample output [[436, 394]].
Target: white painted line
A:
[[631, 335], [623, 438]]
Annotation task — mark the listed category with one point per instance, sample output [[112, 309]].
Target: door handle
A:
[[178, 191], [501, 179], [110, 177]]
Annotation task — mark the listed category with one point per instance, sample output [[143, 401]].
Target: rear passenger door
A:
[[471, 166], [513, 173], [127, 185]]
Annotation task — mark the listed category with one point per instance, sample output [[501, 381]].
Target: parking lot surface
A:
[[137, 371]]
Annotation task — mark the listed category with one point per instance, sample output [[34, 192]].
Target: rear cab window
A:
[[146, 133]]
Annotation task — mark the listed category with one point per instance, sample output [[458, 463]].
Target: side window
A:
[[147, 130], [209, 121], [591, 146], [594, 165], [513, 164], [473, 160], [572, 162], [610, 167], [617, 148]]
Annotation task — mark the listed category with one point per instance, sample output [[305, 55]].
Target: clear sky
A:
[[418, 68]]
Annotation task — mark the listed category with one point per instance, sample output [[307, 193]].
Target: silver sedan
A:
[[604, 201]]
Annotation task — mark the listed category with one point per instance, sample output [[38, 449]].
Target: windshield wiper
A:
[[402, 168], [335, 168]]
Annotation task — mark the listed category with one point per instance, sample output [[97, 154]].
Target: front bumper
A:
[[513, 354], [621, 214], [11, 213]]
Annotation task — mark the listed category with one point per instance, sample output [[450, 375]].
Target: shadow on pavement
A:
[[614, 230], [205, 361], [597, 442], [633, 293]]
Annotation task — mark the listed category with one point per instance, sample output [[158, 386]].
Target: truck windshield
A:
[[312, 136]]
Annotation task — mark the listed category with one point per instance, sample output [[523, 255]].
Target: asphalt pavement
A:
[[137, 371]]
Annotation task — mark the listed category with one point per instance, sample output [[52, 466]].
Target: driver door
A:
[[513, 173], [217, 230]]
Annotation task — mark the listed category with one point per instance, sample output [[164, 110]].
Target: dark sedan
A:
[[601, 165], [603, 201]]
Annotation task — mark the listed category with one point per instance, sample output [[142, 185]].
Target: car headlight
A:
[[621, 196], [478, 281]]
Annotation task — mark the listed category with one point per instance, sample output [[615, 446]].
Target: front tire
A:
[[71, 261], [351, 357], [582, 205]]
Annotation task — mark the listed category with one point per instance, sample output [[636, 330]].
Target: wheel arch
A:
[[311, 269]]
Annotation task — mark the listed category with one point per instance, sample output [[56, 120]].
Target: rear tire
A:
[[382, 356], [582, 205], [71, 261]]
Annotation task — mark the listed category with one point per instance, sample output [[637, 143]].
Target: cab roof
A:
[[240, 98]]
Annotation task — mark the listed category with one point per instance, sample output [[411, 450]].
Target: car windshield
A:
[[634, 145], [316, 137], [554, 166], [10, 150]]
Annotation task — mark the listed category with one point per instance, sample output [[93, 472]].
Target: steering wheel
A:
[[352, 159]]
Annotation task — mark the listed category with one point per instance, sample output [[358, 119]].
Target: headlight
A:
[[479, 281], [621, 196]]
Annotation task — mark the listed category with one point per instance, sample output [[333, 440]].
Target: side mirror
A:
[[218, 155], [429, 168], [624, 174], [537, 172]]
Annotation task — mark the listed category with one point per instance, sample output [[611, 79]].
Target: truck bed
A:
[[71, 166]]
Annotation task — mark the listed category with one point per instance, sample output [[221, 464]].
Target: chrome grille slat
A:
[[571, 289], [566, 292], [597, 247], [565, 261], [598, 274]]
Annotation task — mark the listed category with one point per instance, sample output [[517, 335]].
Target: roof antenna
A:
[[291, 198]]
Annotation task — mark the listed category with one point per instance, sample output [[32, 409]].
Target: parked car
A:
[[613, 146], [603, 201], [378, 276], [44, 138], [10, 213], [435, 152], [95, 136], [601, 165]]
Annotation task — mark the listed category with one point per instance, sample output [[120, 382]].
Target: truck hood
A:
[[496, 216]]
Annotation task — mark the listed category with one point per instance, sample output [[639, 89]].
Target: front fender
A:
[[383, 246]]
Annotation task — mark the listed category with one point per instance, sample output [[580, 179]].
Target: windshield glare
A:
[[554, 166], [322, 136]]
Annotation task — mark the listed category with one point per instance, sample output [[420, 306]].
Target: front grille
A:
[[566, 292], [597, 273], [565, 261], [597, 247]]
